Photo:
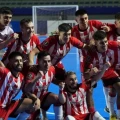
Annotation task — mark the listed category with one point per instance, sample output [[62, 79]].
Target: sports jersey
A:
[[9, 86], [85, 36], [5, 34], [20, 46], [56, 50], [97, 59], [41, 86], [76, 102]]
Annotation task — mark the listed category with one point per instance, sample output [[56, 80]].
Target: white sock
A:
[[118, 113], [106, 93], [97, 116], [111, 102], [23, 116], [58, 112]]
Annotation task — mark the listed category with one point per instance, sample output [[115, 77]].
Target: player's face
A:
[[117, 23], [5, 19], [16, 63], [71, 82], [82, 20], [28, 29], [64, 37], [45, 63], [102, 45]]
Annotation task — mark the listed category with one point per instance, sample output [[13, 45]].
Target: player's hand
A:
[[105, 28], [107, 65], [94, 71], [37, 104], [40, 74], [61, 85], [14, 36]]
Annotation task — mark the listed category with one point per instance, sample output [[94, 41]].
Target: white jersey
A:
[[5, 34]]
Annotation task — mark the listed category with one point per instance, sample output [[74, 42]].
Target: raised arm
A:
[[32, 54]]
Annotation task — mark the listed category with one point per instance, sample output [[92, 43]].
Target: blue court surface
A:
[[71, 62]]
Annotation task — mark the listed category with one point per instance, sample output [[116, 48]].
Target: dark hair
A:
[[99, 35], [14, 54], [5, 10], [68, 73], [80, 12], [65, 27], [117, 16], [42, 54], [25, 20]]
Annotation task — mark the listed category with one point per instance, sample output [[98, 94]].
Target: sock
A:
[[118, 113], [106, 92], [23, 116], [58, 112], [97, 116], [111, 102]]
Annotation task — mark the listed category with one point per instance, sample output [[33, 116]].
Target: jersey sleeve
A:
[[45, 45], [37, 41], [76, 42], [113, 44], [30, 76]]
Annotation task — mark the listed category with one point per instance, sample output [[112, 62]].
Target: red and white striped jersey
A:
[[97, 59], [41, 86], [76, 102], [9, 86], [56, 50], [5, 34], [20, 46]]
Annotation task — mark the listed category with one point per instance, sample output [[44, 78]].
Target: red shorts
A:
[[5, 112], [110, 73]]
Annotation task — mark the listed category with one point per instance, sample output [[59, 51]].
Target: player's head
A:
[[16, 61], [82, 18], [64, 33], [5, 16], [101, 41], [117, 20], [27, 27], [44, 60], [71, 80]]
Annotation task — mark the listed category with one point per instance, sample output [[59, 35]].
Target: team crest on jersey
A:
[[45, 43], [30, 76]]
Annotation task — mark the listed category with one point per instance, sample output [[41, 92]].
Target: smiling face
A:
[[28, 29], [71, 82], [16, 63], [44, 63], [82, 20], [5, 19], [102, 45], [64, 37]]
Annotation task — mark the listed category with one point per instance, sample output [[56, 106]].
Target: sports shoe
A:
[[113, 117], [106, 109]]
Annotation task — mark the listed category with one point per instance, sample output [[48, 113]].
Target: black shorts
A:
[[110, 82], [43, 105]]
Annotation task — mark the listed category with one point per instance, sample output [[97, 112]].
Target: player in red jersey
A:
[[59, 45], [73, 97], [11, 82], [26, 43], [98, 58], [38, 81], [84, 31]]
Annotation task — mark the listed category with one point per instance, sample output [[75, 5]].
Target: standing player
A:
[[25, 44], [98, 58], [84, 32], [6, 33], [11, 81], [73, 97]]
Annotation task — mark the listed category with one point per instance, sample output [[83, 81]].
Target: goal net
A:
[[47, 18]]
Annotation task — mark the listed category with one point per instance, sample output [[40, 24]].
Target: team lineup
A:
[[99, 57]]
